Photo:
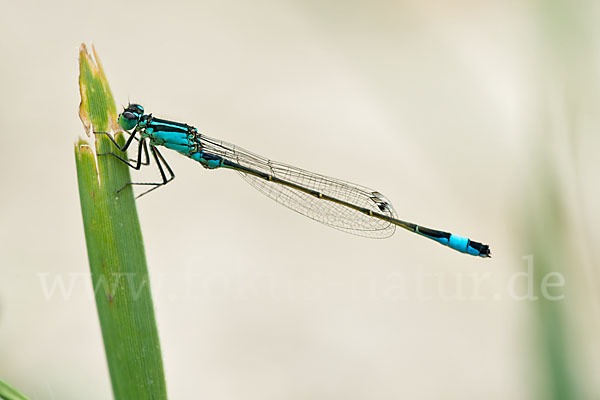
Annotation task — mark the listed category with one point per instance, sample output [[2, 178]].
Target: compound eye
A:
[[129, 115], [128, 120]]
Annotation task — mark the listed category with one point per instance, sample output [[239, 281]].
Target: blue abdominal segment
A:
[[207, 160], [456, 242]]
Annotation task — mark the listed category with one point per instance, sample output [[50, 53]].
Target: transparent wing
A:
[[327, 212]]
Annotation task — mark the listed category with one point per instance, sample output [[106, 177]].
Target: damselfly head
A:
[[130, 117]]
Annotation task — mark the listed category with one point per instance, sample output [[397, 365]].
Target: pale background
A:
[[478, 117]]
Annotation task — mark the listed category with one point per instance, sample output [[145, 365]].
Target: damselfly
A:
[[339, 204]]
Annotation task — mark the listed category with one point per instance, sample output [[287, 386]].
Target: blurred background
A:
[[476, 117]]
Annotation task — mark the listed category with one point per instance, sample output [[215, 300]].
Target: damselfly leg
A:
[[160, 160], [142, 148]]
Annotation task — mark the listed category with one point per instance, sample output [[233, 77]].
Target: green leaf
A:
[[115, 247], [8, 392]]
